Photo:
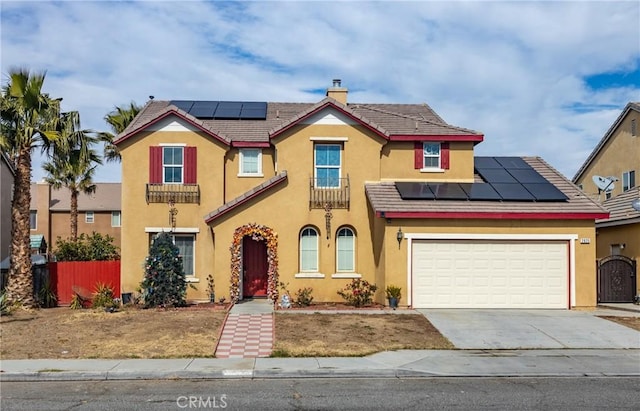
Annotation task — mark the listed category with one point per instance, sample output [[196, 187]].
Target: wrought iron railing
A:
[[333, 192], [177, 193]]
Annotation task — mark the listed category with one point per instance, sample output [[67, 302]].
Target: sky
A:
[[537, 78]]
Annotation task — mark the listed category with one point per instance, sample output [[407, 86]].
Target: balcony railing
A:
[[177, 193], [335, 193]]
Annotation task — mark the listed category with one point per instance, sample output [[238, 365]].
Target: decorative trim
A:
[[172, 145], [309, 275], [250, 175], [432, 170], [346, 275], [191, 279], [258, 233], [329, 138], [496, 215], [173, 230], [250, 144]]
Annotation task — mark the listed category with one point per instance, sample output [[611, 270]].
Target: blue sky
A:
[[537, 78]]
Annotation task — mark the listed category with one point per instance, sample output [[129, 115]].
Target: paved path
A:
[[248, 331]]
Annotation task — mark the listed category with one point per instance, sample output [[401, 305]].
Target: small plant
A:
[[211, 289], [47, 298], [222, 300], [304, 297], [76, 302], [103, 296], [358, 292], [5, 307], [393, 291]]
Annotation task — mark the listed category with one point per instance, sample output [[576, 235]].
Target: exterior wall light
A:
[[399, 236]]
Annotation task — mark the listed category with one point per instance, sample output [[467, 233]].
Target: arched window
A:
[[346, 250], [309, 249]]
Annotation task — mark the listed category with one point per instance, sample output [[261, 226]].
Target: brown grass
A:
[[631, 322], [348, 335]]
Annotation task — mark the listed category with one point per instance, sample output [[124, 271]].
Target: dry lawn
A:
[[351, 335], [131, 333], [631, 322]]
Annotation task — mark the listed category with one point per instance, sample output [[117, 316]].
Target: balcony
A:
[[336, 194], [177, 193]]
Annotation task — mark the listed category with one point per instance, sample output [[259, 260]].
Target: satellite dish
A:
[[636, 204], [604, 183]]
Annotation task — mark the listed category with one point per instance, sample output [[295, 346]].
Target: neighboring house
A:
[[314, 195], [99, 212], [617, 158], [7, 175]]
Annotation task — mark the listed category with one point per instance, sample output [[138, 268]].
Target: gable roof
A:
[[405, 121], [635, 106], [621, 211], [107, 197], [387, 203]]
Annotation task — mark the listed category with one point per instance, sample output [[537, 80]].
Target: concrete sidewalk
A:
[[405, 363]]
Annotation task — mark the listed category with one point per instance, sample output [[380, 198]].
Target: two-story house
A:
[[314, 195], [609, 175]]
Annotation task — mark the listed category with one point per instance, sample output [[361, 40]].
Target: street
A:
[[582, 393]]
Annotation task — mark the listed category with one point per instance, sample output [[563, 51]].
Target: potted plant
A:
[[393, 295], [211, 289]]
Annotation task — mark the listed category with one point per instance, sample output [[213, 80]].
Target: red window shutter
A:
[[418, 155], [190, 165], [444, 156], [155, 165]]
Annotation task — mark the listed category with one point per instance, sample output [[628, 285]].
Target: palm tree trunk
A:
[[20, 282], [74, 214]]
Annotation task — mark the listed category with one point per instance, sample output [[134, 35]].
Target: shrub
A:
[[164, 283], [358, 292], [5, 307], [76, 302], [95, 247], [103, 296], [304, 297], [393, 291], [47, 298], [211, 289]]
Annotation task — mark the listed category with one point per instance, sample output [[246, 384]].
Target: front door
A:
[[616, 279], [254, 262]]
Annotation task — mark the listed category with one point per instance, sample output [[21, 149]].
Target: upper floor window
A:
[[116, 219], [431, 155], [327, 165], [346, 250], [89, 217], [628, 180], [33, 220], [634, 130], [172, 163], [250, 162], [309, 249]]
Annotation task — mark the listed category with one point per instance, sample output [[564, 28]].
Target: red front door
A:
[[254, 261]]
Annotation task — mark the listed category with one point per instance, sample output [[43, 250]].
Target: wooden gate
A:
[[616, 279]]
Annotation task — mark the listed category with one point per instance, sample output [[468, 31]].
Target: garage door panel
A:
[[489, 274]]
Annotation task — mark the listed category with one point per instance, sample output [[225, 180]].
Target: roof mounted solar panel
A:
[[513, 192], [486, 162], [228, 110], [512, 163], [495, 175], [545, 192], [530, 175], [480, 192], [448, 191], [414, 191], [184, 105], [203, 109]]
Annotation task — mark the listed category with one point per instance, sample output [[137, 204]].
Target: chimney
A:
[[338, 92]]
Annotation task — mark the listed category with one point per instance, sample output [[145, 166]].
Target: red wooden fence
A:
[[83, 275]]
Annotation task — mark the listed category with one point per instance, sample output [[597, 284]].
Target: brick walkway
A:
[[246, 336]]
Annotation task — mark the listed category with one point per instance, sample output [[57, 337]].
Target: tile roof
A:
[[620, 209], [241, 199], [385, 199], [106, 198], [386, 119]]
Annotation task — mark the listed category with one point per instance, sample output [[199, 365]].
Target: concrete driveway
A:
[[514, 329]]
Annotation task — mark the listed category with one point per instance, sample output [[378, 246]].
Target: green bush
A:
[[47, 298], [358, 292], [95, 247], [304, 297], [103, 296]]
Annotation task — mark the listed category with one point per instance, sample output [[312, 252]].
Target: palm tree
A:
[[28, 119], [118, 119], [73, 164]]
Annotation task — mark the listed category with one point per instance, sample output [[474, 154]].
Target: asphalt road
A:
[[612, 393]]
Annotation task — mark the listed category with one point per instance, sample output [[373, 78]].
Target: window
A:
[[607, 195], [309, 249], [33, 219], [628, 180], [185, 244], [115, 219], [88, 217], [172, 165], [250, 162], [327, 165], [431, 155], [345, 248], [634, 131]]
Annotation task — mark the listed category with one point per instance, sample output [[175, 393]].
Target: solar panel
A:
[[530, 175], [253, 114], [495, 175], [545, 192], [184, 105], [486, 162], [254, 105], [448, 191], [480, 191], [228, 110], [512, 162], [414, 191], [513, 192], [203, 109]]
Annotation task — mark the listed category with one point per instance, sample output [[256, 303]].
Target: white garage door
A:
[[490, 274]]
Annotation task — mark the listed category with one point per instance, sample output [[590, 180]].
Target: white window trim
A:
[[317, 250], [329, 139], [432, 169], [346, 275], [181, 167], [86, 217], [241, 172], [180, 230], [309, 275], [353, 234], [315, 167], [119, 218]]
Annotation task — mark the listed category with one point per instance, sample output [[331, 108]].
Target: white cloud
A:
[[512, 70]]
